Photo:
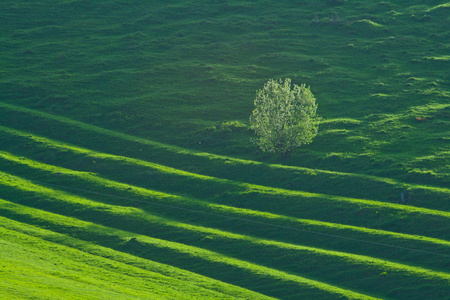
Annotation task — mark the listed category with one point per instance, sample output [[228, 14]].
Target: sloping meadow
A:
[[126, 169]]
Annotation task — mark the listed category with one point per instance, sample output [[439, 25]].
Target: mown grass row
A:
[[357, 212], [165, 178], [338, 268], [131, 222], [211, 264], [312, 180], [169, 204], [323, 234], [55, 264]]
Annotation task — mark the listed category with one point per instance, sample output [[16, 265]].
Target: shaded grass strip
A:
[[357, 185], [135, 194], [243, 194], [135, 215]]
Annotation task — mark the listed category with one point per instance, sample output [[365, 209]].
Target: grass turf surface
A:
[[126, 167]]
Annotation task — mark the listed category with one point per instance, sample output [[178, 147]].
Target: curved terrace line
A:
[[210, 156], [246, 186], [240, 212]]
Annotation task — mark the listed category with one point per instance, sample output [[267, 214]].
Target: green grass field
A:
[[127, 171]]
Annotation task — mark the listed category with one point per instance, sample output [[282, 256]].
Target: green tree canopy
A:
[[284, 118]]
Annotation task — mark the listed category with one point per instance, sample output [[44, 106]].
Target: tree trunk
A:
[[286, 154]]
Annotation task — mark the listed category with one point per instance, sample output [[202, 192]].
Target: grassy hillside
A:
[[126, 169]]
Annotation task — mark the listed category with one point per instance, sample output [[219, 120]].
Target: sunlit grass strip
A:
[[124, 136], [227, 211], [171, 199], [210, 156], [33, 265], [210, 257], [298, 252], [142, 216], [98, 155], [54, 265], [444, 5], [105, 256], [241, 186]]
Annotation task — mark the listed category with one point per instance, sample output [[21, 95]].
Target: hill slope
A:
[[126, 169]]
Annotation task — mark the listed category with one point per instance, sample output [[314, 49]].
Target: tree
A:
[[284, 118]]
